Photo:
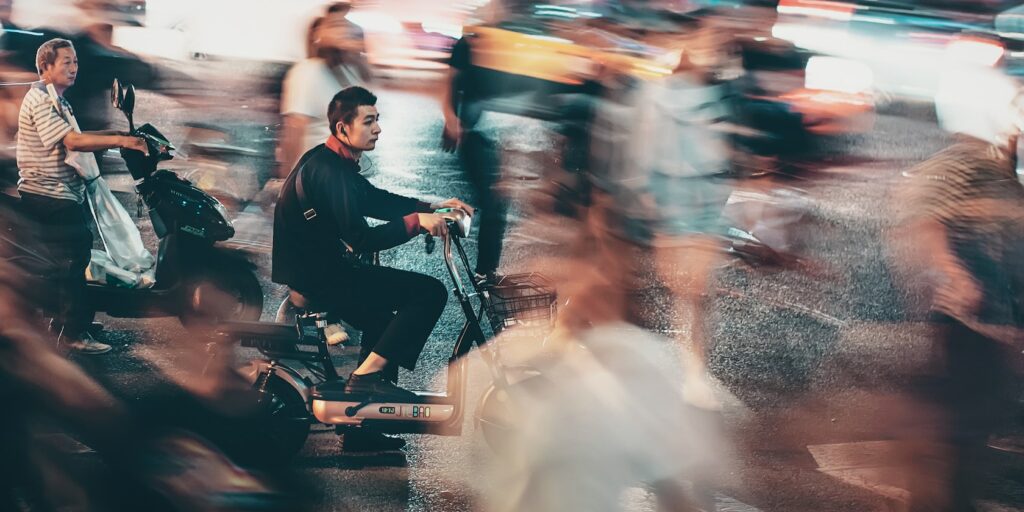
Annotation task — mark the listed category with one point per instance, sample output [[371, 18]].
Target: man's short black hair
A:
[[346, 103]]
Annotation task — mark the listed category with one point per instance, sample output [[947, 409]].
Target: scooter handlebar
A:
[[459, 222]]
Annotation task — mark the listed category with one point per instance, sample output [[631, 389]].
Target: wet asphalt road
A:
[[801, 359]]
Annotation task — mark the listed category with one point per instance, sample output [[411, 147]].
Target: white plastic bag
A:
[[103, 270], [120, 236]]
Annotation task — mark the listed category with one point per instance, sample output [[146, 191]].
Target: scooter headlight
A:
[[222, 211]]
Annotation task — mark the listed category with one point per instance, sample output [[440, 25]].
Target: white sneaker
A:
[[88, 345], [336, 334]]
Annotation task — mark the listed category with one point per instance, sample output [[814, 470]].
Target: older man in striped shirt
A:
[[52, 191]]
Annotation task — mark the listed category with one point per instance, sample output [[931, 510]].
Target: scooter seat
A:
[[334, 391], [263, 330]]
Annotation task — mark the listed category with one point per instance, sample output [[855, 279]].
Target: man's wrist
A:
[[412, 224]]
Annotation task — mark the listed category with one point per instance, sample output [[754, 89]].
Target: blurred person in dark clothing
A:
[[334, 60], [321, 244], [462, 106], [41, 387], [964, 221]]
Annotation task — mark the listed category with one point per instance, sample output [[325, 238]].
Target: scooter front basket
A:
[[523, 303]]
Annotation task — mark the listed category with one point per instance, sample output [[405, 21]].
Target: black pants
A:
[[482, 165], [395, 309], [64, 233], [976, 396]]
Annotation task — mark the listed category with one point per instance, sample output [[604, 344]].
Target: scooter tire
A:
[[240, 284], [277, 433], [497, 415]]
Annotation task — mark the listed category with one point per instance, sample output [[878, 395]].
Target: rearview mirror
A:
[[122, 95], [128, 104], [117, 94]]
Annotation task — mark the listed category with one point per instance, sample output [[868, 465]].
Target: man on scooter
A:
[[322, 238], [53, 192]]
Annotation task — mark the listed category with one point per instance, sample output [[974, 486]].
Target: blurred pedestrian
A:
[[603, 417], [348, 37], [963, 225], [685, 161], [657, 163], [462, 106], [41, 387], [334, 60]]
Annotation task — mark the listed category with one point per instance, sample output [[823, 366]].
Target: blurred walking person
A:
[[963, 226], [605, 417], [462, 106], [657, 164], [686, 161], [334, 60]]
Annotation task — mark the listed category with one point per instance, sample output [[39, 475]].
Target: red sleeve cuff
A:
[[412, 224], [423, 207]]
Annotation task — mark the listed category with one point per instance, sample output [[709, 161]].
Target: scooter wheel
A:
[[217, 296], [500, 409], [277, 432]]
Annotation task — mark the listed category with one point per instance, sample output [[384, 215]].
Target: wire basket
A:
[[526, 302]]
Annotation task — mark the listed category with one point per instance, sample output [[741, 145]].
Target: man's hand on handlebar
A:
[[453, 203], [135, 144], [433, 224]]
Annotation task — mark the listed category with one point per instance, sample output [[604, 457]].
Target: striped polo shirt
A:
[[972, 190], [41, 152]]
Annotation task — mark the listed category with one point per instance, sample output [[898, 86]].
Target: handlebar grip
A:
[[429, 243], [157, 147]]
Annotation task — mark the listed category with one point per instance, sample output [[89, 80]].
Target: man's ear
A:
[[340, 128]]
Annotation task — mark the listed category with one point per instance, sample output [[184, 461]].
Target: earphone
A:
[[341, 131]]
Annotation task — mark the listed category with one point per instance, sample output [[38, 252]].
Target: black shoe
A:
[[487, 279], [377, 387], [359, 441]]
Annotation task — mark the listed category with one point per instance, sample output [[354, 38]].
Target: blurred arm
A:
[[99, 141], [293, 132], [448, 98]]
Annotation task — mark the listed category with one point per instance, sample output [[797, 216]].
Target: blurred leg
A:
[[481, 163]]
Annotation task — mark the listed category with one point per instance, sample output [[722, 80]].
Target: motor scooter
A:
[[299, 385], [195, 279]]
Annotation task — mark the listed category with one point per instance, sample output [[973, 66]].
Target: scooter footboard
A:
[[352, 413]]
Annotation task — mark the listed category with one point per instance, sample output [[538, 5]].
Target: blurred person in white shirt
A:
[[334, 61]]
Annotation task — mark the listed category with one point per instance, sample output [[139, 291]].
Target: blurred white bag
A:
[[103, 270], [120, 236]]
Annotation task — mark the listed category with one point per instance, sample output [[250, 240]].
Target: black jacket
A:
[[343, 198]]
